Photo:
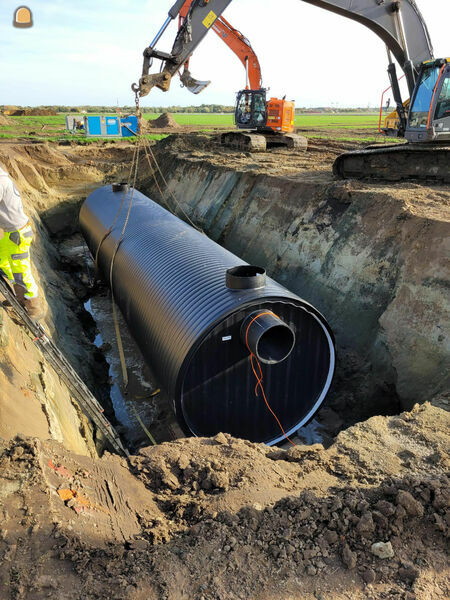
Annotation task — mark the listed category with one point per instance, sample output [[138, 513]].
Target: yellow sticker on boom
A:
[[209, 19]]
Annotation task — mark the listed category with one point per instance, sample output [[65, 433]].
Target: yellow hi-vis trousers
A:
[[15, 263]]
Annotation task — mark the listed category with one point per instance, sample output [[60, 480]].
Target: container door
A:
[[93, 126], [112, 126]]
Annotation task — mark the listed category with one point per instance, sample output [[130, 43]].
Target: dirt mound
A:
[[4, 120], [34, 112], [220, 473], [164, 121], [224, 518]]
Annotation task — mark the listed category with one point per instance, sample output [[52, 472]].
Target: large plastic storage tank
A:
[[198, 312]]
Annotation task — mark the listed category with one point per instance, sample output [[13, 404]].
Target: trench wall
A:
[[370, 257], [33, 401]]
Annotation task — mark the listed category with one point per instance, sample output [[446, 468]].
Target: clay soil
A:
[[311, 165], [278, 161], [165, 121], [220, 518], [226, 519], [4, 120]]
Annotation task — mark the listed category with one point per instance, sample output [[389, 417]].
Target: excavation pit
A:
[[184, 509]]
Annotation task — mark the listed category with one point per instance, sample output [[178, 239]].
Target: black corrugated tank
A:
[[170, 282]]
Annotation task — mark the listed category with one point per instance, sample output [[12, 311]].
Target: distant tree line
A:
[[203, 108], [332, 109]]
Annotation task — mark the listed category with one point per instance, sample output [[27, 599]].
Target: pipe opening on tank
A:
[[275, 344], [267, 337]]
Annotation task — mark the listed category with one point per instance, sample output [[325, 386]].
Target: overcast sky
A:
[[89, 52]]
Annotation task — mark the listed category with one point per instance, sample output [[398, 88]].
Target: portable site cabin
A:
[[110, 126]]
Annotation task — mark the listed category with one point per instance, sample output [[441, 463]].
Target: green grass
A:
[[44, 120], [215, 120], [337, 121], [327, 121], [54, 130], [363, 140]]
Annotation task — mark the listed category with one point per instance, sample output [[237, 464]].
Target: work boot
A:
[[19, 290], [34, 308]]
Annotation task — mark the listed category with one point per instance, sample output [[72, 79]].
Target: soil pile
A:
[[34, 112], [224, 518], [165, 121], [4, 120]]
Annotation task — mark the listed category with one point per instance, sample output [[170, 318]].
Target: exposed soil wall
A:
[[372, 258], [33, 401]]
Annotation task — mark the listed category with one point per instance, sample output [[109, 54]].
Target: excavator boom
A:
[[241, 46], [397, 22], [237, 43]]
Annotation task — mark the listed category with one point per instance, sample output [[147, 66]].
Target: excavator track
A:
[[397, 162], [248, 142], [261, 141], [292, 141]]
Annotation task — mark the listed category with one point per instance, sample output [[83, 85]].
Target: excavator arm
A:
[[241, 46], [397, 22], [236, 41]]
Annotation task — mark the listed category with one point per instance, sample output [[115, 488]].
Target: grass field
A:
[[52, 128], [329, 121]]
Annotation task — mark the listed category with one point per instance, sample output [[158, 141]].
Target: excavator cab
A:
[[251, 109], [429, 115]]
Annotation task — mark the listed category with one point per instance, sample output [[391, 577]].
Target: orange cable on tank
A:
[[260, 377]]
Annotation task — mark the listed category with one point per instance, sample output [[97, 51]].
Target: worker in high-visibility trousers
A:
[[16, 236]]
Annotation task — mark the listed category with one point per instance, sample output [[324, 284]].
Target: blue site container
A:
[[102, 126], [129, 125], [110, 126]]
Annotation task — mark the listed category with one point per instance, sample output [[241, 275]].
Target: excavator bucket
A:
[[193, 85]]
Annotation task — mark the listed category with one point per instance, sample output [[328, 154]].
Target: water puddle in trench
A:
[[138, 400]]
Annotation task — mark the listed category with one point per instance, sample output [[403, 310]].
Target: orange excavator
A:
[[269, 123]]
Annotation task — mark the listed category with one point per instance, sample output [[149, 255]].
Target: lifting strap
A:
[[141, 142]]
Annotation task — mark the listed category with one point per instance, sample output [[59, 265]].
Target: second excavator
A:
[[261, 123], [400, 25]]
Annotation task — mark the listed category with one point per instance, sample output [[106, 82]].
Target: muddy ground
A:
[[220, 518]]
